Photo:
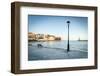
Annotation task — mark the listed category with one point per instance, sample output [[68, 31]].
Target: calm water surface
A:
[[74, 45]]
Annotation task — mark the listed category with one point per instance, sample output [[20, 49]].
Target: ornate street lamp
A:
[[68, 46]]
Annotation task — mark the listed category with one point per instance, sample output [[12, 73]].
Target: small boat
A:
[[39, 45]]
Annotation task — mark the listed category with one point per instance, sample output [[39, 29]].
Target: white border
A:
[[25, 64]]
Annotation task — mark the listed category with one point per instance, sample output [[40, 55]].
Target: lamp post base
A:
[[68, 50]]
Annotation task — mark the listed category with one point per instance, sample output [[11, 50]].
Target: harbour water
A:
[[51, 50]]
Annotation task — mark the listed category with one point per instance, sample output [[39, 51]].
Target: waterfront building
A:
[[42, 37], [31, 36]]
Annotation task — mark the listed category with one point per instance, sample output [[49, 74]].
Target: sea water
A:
[[74, 44]]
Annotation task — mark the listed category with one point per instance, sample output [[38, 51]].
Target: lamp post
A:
[[68, 46]]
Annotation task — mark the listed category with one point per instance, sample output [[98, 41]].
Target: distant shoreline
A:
[[43, 40], [82, 40], [52, 40]]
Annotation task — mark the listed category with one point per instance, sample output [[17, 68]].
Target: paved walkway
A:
[[46, 53]]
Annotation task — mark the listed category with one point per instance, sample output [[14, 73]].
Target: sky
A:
[[56, 25]]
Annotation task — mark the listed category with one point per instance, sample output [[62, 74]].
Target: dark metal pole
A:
[[68, 46]]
